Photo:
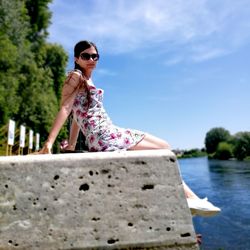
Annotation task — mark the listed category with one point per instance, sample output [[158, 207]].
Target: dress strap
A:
[[78, 70], [75, 70]]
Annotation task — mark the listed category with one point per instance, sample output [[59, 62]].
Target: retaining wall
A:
[[117, 200]]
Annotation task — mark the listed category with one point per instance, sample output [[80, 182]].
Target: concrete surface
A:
[[117, 200]]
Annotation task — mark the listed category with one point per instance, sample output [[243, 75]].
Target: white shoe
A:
[[202, 207]]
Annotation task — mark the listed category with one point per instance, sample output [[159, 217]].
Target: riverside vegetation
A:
[[221, 145]]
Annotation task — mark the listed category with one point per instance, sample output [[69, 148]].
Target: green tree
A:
[[224, 151], [55, 59], [14, 21], [214, 137], [13, 31], [39, 106], [32, 71], [39, 19], [9, 100], [241, 145], [195, 152]]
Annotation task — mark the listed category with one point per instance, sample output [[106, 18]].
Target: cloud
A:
[[202, 54], [124, 26]]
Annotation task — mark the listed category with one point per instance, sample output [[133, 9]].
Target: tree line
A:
[[32, 70], [220, 144]]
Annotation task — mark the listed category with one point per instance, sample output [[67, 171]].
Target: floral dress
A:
[[101, 134]]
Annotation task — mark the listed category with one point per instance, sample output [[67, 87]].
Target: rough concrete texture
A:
[[117, 200]]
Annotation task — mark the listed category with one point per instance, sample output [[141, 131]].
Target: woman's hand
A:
[[46, 149]]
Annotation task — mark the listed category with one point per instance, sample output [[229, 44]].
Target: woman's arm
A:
[[69, 92], [58, 123]]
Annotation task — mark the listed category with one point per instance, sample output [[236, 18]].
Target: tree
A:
[[224, 151], [55, 59], [241, 145], [39, 19], [14, 21], [9, 100], [32, 71], [13, 31], [214, 137]]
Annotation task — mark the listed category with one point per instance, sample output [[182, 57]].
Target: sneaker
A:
[[202, 207]]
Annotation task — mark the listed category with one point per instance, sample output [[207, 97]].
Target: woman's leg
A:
[[188, 192], [151, 142]]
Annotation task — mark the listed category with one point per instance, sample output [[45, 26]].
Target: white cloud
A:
[[123, 26], [202, 54]]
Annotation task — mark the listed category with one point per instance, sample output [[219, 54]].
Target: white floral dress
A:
[[101, 134]]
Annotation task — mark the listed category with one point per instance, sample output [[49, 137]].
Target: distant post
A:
[[22, 139], [11, 136], [37, 141], [30, 141]]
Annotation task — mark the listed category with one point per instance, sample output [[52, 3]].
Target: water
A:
[[227, 185]]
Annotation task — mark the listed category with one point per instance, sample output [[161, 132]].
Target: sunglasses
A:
[[87, 56]]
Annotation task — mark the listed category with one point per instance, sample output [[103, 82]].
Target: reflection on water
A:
[[227, 185]]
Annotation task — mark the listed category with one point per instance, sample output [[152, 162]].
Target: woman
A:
[[84, 100]]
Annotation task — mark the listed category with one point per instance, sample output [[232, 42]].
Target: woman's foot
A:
[[202, 207]]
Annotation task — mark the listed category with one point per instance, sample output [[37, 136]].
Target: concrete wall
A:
[[117, 200]]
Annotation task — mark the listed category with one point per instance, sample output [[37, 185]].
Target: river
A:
[[227, 185]]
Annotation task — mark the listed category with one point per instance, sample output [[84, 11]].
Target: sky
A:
[[174, 69]]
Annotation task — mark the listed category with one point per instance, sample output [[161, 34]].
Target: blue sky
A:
[[174, 69]]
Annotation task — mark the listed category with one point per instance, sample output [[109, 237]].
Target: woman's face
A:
[[88, 59]]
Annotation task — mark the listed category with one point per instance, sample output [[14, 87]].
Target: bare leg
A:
[[152, 142], [188, 192]]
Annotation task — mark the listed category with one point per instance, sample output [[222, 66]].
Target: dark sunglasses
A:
[[87, 56]]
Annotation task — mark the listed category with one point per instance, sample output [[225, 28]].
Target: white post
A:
[[37, 141], [22, 137], [31, 140], [11, 137]]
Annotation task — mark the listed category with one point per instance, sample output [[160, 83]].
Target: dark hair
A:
[[81, 46]]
